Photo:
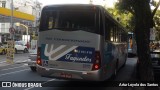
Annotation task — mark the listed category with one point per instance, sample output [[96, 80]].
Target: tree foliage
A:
[[125, 18], [157, 24]]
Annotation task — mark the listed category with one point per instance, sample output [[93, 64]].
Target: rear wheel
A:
[[115, 71], [25, 50], [124, 61], [33, 69]]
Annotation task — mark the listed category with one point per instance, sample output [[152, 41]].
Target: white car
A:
[[20, 46]]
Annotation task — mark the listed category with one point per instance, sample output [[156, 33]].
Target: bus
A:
[[80, 41], [132, 47]]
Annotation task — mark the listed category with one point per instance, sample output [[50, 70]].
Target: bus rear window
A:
[[70, 20]]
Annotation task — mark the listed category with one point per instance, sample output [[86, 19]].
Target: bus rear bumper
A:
[[69, 74]]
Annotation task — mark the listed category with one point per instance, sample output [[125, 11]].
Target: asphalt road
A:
[[20, 57], [21, 72]]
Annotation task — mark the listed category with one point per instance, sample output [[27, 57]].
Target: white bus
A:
[[81, 42]]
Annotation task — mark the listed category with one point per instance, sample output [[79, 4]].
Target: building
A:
[[31, 7], [27, 7]]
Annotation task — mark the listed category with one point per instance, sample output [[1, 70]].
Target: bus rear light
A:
[[39, 61], [97, 63], [96, 66]]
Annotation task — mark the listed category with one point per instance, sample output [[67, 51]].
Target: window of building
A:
[[2, 27], [4, 4]]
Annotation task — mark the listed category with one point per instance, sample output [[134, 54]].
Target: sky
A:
[[109, 3]]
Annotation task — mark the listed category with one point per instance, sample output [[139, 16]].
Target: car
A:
[[3, 49], [155, 57], [20, 46], [32, 59]]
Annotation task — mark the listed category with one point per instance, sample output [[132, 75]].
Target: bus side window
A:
[[50, 23]]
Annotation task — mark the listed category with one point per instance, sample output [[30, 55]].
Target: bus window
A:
[[72, 20], [50, 23]]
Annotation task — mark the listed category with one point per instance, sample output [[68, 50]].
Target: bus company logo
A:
[[67, 53], [6, 84], [77, 59], [55, 52]]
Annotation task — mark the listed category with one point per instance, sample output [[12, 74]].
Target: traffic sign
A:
[[152, 33], [12, 30]]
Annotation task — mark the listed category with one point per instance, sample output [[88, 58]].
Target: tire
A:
[[115, 71], [33, 69], [15, 50], [25, 50], [137, 71], [124, 61]]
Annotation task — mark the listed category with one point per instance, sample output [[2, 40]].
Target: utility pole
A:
[[10, 43], [36, 15], [11, 25]]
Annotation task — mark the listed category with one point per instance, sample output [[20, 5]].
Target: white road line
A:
[[15, 61], [4, 64], [2, 61], [13, 68], [42, 83], [21, 61], [25, 64], [13, 72]]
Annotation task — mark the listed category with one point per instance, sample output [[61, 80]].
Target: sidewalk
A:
[[134, 78]]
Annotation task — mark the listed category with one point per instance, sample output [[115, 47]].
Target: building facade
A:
[[32, 7]]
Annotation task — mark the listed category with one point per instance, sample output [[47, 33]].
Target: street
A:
[[21, 72]]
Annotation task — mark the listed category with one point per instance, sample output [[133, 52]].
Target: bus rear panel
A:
[[69, 43], [78, 42]]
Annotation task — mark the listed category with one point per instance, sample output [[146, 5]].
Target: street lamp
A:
[[18, 24]]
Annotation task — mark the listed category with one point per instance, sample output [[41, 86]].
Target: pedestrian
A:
[[28, 45]]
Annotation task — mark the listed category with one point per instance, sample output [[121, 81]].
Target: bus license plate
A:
[[66, 75]]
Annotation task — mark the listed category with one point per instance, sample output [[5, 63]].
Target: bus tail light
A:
[[39, 61], [97, 63]]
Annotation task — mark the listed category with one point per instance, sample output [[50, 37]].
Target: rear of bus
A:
[[69, 43]]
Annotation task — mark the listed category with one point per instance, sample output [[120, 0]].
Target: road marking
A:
[[25, 64], [13, 72], [13, 68], [16, 61], [42, 83], [3, 62], [19, 61]]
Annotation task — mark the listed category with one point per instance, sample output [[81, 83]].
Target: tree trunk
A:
[[142, 32], [144, 22]]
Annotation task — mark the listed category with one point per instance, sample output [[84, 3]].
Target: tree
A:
[[125, 18], [156, 19], [143, 22]]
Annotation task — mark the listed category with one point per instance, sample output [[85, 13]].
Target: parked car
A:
[[20, 46], [32, 59], [155, 58], [3, 49]]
